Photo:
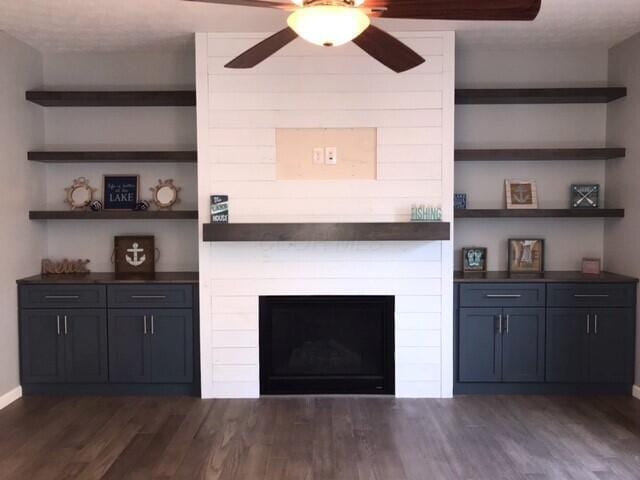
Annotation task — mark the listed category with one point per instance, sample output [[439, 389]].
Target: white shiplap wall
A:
[[303, 86]]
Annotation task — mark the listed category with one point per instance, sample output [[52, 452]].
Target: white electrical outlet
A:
[[331, 155], [318, 156]]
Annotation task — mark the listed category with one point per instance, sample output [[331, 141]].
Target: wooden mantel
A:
[[325, 232]]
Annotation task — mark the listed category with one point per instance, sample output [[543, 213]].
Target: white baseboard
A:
[[10, 397], [636, 391]]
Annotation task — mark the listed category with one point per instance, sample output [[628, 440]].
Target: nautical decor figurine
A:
[[165, 194], [422, 213], [135, 255], [79, 194], [96, 206]]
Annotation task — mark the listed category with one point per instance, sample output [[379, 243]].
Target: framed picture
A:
[[521, 194], [526, 255], [585, 196], [135, 254], [120, 192], [474, 259], [460, 201], [219, 208]]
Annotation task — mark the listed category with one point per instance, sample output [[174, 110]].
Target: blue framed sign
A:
[[120, 192]]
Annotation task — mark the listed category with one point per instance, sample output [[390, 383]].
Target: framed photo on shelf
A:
[[120, 192], [585, 196], [526, 255], [474, 259], [521, 194]]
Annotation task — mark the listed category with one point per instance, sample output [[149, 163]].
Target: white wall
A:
[[153, 128], [306, 87], [534, 126], [621, 236], [23, 242]]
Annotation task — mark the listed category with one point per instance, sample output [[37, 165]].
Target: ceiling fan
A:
[[331, 23]]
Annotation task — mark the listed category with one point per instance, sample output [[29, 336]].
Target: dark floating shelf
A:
[[325, 232], [112, 157], [541, 213], [113, 215], [538, 154], [497, 96], [176, 98]]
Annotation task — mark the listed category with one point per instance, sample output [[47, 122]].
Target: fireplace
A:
[[327, 345]]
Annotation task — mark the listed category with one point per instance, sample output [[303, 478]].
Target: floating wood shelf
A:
[[176, 98], [112, 157], [324, 232], [493, 96], [541, 213], [113, 215], [538, 154]]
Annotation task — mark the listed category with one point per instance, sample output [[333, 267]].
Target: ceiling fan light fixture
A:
[[328, 25]]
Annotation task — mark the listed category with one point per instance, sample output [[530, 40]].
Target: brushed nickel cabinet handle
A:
[[148, 297], [153, 327], [595, 324], [503, 295], [58, 323], [62, 297], [144, 323], [66, 327], [500, 324], [590, 295], [588, 321], [507, 319]]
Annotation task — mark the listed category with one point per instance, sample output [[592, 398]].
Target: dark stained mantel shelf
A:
[[325, 232]]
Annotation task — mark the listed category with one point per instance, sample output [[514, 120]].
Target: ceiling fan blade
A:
[[388, 50], [249, 3], [263, 50], [456, 9]]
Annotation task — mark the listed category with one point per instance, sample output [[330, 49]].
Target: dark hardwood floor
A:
[[321, 438]]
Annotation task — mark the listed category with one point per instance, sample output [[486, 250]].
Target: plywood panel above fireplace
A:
[[356, 149]]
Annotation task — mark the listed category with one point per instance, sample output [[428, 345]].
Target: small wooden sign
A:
[[64, 267], [135, 254], [120, 192], [521, 194], [219, 209], [591, 266]]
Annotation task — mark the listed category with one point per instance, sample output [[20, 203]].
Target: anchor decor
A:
[[521, 194], [135, 254]]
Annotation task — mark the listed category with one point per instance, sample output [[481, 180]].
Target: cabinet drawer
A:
[[62, 296], [150, 296], [502, 295], [591, 295]]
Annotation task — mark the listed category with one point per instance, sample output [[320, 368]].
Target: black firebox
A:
[[327, 345]]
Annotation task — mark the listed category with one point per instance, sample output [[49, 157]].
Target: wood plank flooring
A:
[[322, 438]]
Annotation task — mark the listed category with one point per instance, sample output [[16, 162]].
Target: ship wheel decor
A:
[[79, 194], [165, 194], [331, 23]]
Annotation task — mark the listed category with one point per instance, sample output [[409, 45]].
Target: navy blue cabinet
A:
[[561, 336], [501, 345], [111, 338], [64, 346]]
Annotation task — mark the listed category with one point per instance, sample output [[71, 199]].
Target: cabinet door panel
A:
[[479, 345], [567, 345], [41, 347], [611, 346], [86, 346], [523, 345], [129, 347], [172, 346]]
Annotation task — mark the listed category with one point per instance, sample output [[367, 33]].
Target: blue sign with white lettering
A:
[[120, 192]]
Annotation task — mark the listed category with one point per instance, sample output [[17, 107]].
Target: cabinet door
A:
[[171, 346], [523, 337], [479, 345], [41, 347], [567, 345], [611, 346], [85, 337], [129, 346]]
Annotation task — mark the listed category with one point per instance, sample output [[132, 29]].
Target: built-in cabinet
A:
[[514, 337], [134, 338]]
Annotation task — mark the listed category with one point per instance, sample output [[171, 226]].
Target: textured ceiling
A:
[[94, 25]]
